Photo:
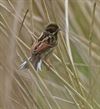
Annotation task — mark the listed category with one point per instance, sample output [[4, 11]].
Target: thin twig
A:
[[23, 22]]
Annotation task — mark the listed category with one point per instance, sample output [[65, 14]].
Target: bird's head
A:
[[52, 28]]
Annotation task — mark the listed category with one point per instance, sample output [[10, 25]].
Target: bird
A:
[[44, 45]]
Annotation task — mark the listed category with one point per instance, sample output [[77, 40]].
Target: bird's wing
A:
[[43, 36], [42, 47]]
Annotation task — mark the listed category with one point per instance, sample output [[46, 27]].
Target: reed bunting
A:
[[42, 47]]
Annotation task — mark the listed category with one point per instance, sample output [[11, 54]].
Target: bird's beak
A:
[[60, 30]]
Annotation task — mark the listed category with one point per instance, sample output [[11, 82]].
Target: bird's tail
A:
[[36, 62], [24, 65]]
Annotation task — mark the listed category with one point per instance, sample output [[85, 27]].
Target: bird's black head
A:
[[52, 28]]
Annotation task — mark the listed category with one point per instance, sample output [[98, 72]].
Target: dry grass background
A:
[[73, 79]]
